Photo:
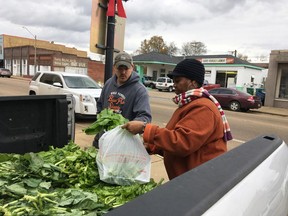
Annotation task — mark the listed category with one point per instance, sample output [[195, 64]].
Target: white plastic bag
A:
[[122, 159]]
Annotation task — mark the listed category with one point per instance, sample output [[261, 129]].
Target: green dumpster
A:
[[250, 90]]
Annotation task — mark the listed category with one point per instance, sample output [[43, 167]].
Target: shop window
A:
[[7, 63], [283, 89], [162, 72], [154, 75], [24, 66]]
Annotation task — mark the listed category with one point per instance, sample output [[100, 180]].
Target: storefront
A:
[[24, 56], [277, 80], [226, 70]]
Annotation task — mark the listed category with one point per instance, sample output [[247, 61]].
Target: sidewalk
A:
[[272, 111]]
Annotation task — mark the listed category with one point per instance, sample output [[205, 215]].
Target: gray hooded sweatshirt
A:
[[130, 99]]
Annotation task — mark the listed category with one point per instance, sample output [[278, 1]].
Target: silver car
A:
[[5, 72]]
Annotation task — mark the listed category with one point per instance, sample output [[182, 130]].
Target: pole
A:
[[35, 48], [35, 56], [109, 47]]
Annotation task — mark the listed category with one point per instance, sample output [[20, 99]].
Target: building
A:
[[277, 80], [20, 55], [226, 70]]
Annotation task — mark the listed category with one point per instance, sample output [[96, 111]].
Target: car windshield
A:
[[80, 82], [161, 80]]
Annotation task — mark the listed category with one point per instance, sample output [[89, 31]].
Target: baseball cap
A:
[[123, 58]]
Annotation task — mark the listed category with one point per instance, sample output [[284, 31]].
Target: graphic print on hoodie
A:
[[116, 101]]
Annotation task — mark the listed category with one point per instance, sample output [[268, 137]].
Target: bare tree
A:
[[172, 49], [242, 56], [193, 48]]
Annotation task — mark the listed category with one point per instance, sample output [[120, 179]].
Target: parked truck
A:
[[251, 179], [33, 123]]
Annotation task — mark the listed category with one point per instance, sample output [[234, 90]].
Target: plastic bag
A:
[[122, 159]]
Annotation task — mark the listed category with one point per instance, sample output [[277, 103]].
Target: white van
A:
[[85, 90]]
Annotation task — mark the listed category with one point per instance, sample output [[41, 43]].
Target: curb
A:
[[284, 113], [21, 78]]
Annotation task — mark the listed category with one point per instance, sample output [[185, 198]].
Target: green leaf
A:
[[46, 185], [3, 182], [18, 189], [107, 119], [32, 182]]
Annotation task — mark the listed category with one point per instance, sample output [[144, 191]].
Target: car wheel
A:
[[159, 89], [234, 106], [32, 93], [170, 89]]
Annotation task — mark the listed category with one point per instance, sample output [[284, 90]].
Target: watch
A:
[[144, 125]]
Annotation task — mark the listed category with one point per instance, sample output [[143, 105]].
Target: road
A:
[[13, 87], [244, 126]]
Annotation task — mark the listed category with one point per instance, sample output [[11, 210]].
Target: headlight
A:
[[85, 98]]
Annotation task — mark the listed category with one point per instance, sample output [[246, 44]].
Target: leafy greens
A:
[[61, 181]]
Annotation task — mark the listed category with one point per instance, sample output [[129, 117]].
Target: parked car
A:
[[5, 72], [85, 90], [148, 82], [235, 100], [165, 83]]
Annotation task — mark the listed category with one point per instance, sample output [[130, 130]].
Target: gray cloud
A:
[[252, 26]]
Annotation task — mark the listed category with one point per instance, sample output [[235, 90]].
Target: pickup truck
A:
[[251, 179], [33, 123]]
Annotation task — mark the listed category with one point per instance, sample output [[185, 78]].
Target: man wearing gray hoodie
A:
[[124, 93]]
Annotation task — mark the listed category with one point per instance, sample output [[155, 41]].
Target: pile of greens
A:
[[107, 119], [61, 181]]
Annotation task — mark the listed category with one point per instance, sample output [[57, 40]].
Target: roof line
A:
[[235, 65], [154, 62], [206, 65]]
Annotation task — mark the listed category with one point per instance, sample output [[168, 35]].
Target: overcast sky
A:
[[252, 27]]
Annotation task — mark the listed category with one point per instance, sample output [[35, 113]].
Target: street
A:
[[244, 126]]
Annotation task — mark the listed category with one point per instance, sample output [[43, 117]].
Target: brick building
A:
[[18, 55]]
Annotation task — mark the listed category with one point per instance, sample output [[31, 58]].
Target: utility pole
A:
[[35, 49], [110, 46]]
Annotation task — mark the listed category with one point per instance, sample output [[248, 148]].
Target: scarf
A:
[[188, 96]]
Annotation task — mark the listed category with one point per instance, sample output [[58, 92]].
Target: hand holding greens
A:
[[107, 119]]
